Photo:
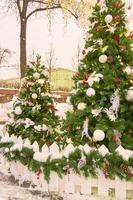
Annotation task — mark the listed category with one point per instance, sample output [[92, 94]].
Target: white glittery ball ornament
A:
[[108, 18], [34, 96], [98, 135], [103, 58], [18, 110], [90, 92]]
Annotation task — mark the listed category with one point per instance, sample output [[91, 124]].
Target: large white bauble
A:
[[108, 18], [81, 106], [36, 75], [103, 58], [98, 135], [90, 92], [34, 96], [129, 94], [18, 110]]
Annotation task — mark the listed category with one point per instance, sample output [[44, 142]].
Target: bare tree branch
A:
[[42, 9]]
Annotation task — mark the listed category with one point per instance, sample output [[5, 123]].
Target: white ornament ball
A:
[[81, 106], [36, 75], [18, 110], [103, 58], [90, 92], [98, 135], [108, 19], [128, 70], [34, 96], [129, 94]]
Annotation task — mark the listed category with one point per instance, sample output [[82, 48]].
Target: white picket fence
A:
[[71, 186]]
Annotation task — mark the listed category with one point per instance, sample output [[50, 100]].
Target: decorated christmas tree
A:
[[102, 98], [33, 114]]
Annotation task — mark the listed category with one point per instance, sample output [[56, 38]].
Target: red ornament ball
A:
[[117, 18]]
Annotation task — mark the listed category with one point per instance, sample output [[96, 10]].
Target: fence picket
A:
[[120, 188], [103, 185], [85, 185]]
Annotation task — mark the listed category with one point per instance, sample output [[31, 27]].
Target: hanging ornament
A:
[[85, 128], [98, 135], [90, 92], [108, 18], [18, 110], [103, 58], [117, 5], [117, 18], [34, 96]]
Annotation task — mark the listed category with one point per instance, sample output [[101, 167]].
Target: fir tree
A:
[[102, 98], [33, 114]]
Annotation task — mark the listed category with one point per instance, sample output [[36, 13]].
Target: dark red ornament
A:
[[83, 52], [117, 39], [117, 18], [117, 4], [98, 1]]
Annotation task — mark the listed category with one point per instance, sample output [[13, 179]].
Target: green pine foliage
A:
[[33, 114], [113, 41]]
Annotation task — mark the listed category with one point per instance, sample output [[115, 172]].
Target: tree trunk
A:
[[23, 60]]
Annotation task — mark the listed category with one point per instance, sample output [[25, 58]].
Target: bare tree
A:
[[51, 60], [27, 8], [4, 54], [76, 59]]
